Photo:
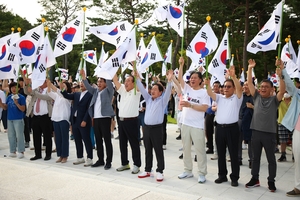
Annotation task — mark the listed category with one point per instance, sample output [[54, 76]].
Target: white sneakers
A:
[[135, 169], [78, 161], [12, 155], [164, 147], [201, 179], [159, 176], [88, 162], [20, 155], [185, 175]]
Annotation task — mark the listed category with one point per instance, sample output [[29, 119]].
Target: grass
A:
[[171, 120]]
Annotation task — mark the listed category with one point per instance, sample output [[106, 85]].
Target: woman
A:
[[60, 117], [15, 106]]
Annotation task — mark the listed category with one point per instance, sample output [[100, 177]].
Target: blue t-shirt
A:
[[13, 112]]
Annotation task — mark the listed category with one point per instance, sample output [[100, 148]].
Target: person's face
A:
[[82, 87], [221, 90], [246, 88], [216, 88], [13, 89], [228, 89], [129, 84], [155, 92], [266, 90], [101, 84], [195, 81]]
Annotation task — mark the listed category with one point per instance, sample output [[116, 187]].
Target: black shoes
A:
[[282, 157], [98, 164], [221, 180], [250, 164], [107, 166], [36, 158], [271, 187], [209, 151], [195, 159], [47, 158], [252, 183], [181, 156], [234, 183], [178, 137]]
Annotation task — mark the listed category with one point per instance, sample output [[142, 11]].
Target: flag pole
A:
[[208, 18], [228, 47], [182, 38], [83, 36], [136, 22], [280, 33], [171, 55]]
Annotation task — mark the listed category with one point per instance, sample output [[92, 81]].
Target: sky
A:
[[31, 9]]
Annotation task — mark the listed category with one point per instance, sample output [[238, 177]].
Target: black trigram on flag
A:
[[77, 23], [263, 32], [11, 57], [42, 68], [115, 62], [122, 27], [253, 45], [203, 35], [179, 24], [118, 39], [189, 48], [215, 63], [35, 36], [153, 56], [61, 45], [8, 42], [225, 42], [150, 45], [277, 19], [39, 49], [165, 7]]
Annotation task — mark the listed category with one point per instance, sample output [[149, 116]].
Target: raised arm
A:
[[89, 88], [281, 85], [238, 87], [180, 73], [210, 93], [251, 64], [177, 85], [289, 84], [116, 82]]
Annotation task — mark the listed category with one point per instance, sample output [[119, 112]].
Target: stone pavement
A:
[[47, 180]]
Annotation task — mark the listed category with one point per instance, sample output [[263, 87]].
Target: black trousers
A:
[[165, 129], [42, 125], [82, 134], [153, 140], [209, 130], [228, 137], [102, 130], [129, 132], [26, 129]]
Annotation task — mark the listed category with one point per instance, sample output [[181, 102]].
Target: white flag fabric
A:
[[131, 50], [7, 57], [9, 71], [70, 34], [167, 59], [242, 78], [217, 66], [112, 64], [45, 60], [81, 66], [140, 51], [27, 70], [203, 44], [152, 55], [298, 61], [174, 15], [28, 47], [267, 37], [114, 34], [90, 56], [289, 58], [103, 57], [64, 74]]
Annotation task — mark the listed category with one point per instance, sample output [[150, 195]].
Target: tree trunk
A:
[[245, 59]]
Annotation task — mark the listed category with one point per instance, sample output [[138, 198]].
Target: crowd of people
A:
[[213, 118]]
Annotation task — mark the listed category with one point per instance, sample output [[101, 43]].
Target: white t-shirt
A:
[[228, 109], [61, 107], [97, 107], [129, 104], [192, 117]]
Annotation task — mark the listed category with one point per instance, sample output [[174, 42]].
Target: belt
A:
[[227, 125], [128, 118], [153, 126]]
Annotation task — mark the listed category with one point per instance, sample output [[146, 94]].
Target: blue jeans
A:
[[15, 133], [61, 130]]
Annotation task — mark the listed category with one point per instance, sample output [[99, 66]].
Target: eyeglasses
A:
[[227, 86], [264, 86]]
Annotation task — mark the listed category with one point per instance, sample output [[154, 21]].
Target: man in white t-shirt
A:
[[227, 129], [3, 99], [195, 103]]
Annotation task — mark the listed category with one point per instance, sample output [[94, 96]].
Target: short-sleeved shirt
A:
[[13, 112], [129, 104], [265, 113], [228, 108], [192, 117]]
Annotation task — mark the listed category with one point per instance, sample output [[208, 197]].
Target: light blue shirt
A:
[[155, 107]]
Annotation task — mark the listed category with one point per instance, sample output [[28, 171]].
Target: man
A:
[[101, 111], [81, 124], [264, 125], [209, 121], [194, 105], [128, 123], [153, 129], [291, 121], [40, 110], [227, 129]]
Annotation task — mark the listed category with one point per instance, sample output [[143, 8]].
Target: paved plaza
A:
[[46, 180]]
